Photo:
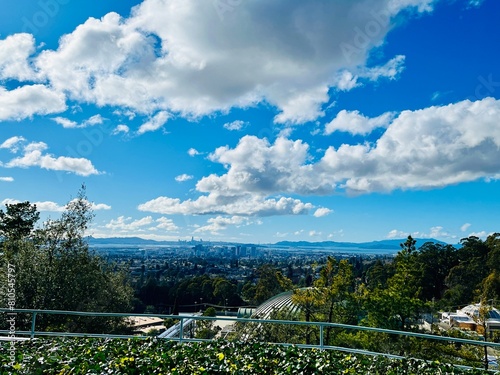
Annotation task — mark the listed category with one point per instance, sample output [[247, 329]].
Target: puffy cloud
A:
[[7, 179], [10, 201], [183, 177], [314, 233], [193, 152], [482, 234], [235, 125], [396, 234], [464, 227], [123, 223], [66, 123], [259, 167], [355, 123], [436, 232], [100, 206], [179, 56], [121, 129], [94, 120], [13, 143], [427, 148], [166, 224], [250, 205], [143, 227], [34, 156], [220, 223], [155, 123], [49, 206], [346, 80], [15, 52], [390, 70], [87, 61], [29, 100], [322, 211]]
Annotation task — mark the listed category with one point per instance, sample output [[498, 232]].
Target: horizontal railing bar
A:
[[260, 321]]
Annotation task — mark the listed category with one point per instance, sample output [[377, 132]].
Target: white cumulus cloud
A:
[[155, 123], [217, 224], [250, 205], [428, 148], [15, 57], [178, 56], [26, 101], [13, 143], [355, 123], [123, 223], [49, 206], [34, 156], [235, 125], [464, 227], [397, 234], [121, 129], [322, 211], [183, 177], [66, 123]]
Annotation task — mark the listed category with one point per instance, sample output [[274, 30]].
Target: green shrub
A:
[[156, 356]]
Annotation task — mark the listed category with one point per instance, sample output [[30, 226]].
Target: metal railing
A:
[[183, 319]]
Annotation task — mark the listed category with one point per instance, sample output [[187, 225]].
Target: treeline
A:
[[395, 295], [187, 294], [55, 270]]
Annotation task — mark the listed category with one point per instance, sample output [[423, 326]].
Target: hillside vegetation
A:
[[98, 356]]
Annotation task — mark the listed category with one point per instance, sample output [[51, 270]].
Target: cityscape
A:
[[198, 187]]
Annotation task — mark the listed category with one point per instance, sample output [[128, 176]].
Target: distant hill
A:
[[392, 244], [137, 241]]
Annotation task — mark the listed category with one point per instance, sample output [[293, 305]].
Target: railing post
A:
[[321, 336], [33, 320], [181, 330]]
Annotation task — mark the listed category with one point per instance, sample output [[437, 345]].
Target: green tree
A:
[[398, 305], [378, 274], [491, 286], [465, 278], [493, 243], [332, 298], [206, 329], [433, 263], [18, 221], [58, 271], [270, 283]]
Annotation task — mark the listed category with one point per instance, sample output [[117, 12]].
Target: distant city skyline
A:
[[255, 121]]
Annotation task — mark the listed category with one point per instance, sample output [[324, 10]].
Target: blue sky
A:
[[255, 120]]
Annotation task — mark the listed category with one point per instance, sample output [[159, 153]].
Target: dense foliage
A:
[[56, 270], [97, 356]]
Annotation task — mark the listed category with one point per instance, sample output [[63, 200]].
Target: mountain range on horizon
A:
[[389, 244]]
